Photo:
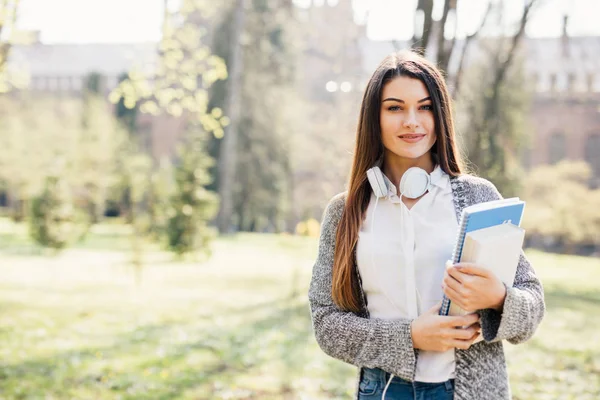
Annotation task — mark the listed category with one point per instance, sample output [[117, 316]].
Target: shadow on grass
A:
[[225, 353], [580, 358], [559, 297]]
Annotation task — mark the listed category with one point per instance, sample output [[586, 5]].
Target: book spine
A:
[[460, 239]]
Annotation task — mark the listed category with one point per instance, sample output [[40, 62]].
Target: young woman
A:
[[380, 274]]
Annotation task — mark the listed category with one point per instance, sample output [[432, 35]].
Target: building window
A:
[[592, 153], [571, 82], [542, 82], [65, 84], [562, 82], [595, 82], [53, 84], [590, 82], [76, 83], [41, 83], [552, 82], [535, 78], [556, 147]]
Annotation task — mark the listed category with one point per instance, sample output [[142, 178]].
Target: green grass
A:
[[563, 360], [75, 325]]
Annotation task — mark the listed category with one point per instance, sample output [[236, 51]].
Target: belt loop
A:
[[448, 384]]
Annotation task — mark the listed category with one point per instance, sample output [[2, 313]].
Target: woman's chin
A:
[[412, 154]]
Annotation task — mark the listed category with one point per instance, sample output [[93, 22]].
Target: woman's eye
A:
[[427, 107]]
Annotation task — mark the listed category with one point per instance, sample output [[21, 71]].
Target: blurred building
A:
[[332, 57], [62, 70], [338, 57], [566, 106], [565, 114]]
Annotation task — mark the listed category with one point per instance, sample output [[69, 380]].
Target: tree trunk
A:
[[443, 53], [420, 44], [227, 157]]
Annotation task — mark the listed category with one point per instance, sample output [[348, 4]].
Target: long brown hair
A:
[[369, 149]]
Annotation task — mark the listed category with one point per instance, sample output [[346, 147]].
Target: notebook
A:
[[478, 217], [496, 248]]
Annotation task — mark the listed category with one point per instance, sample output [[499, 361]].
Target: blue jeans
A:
[[373, 381]]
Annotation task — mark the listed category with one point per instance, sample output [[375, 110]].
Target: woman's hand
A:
[[434, 332], [473, 288]]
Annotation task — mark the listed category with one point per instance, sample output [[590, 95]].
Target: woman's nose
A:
[[411, 119]]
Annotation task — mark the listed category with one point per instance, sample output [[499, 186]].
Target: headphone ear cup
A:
[[377, 182], [414, 183]]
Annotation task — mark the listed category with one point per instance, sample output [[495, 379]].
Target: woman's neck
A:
[[394, 166]]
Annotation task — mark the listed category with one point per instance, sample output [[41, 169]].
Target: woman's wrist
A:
[[499, 305], [412, 334]]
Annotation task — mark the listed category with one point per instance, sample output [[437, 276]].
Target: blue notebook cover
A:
[[481, 216]]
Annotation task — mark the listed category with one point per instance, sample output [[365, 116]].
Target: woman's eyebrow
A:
[[402, 101]]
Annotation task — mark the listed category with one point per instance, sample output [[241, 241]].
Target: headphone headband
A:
[[414, 183]]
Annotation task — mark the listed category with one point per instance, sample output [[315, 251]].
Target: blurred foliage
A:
[[561, 206], [179, 206], [136, 174], [185, 70], [54, 221], [37, 134], [127, 115], [11, 76], [311, 228], [261, 194], [288, 118], [191, 205], [41, 134], [494, 149], [95, 166], [162, 187]]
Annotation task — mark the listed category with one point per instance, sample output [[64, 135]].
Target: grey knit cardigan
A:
[[387, 344]]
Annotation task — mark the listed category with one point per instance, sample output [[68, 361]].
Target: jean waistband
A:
[[379, 375]]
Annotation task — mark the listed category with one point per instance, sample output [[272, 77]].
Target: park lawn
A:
[[237, 326]]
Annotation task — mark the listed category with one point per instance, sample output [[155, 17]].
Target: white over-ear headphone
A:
[[414, 183]]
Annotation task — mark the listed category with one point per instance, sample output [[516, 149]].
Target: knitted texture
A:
[[387, 344]]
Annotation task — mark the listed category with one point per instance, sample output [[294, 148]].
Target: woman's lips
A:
[[411, 137]]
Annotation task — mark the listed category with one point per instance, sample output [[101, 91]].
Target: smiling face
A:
[[406, 119]]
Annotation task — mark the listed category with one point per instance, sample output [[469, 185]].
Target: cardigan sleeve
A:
[[524, 305], [363, 342]]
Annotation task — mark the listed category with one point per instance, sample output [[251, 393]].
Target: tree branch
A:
[[468, 39], [441, 39], [501, 72]]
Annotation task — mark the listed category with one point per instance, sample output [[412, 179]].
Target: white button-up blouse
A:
[[401, 256]]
